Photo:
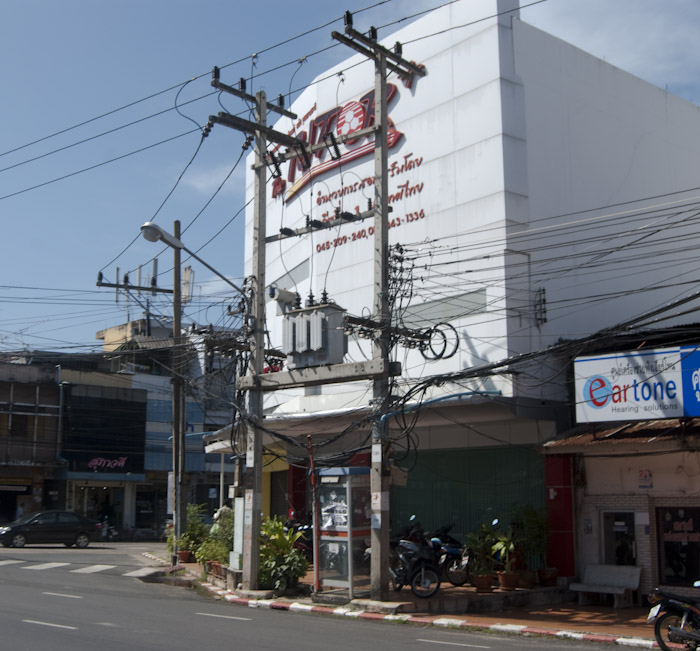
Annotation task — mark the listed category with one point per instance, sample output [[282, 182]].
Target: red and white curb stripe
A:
[[444, 622]]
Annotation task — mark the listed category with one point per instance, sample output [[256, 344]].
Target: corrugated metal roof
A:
[[669, 432]]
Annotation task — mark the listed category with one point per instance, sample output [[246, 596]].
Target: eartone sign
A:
[[638, 385]]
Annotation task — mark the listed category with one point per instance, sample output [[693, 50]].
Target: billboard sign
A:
[[638, 385]]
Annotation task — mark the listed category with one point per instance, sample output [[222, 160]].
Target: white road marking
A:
[[144, 571], [471, 646], [240, 619], [90, 569], [33, 621], [10, 562], [44, 566], [60, 594]]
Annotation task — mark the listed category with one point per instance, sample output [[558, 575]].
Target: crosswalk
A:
[[86, 569]]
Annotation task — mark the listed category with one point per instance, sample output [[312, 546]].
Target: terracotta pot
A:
[[184, 556], [483, 582], [508, 580], [548, 576]]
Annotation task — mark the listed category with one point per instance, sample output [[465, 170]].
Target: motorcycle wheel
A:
[[425, 581], [396, 583], [456, 573], [666, 641]]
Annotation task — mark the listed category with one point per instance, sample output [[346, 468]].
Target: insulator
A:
[[348, 19]]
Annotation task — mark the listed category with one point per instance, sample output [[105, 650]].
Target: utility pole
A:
[[253, 462], [178, 432], [253, 475], [379, 479]]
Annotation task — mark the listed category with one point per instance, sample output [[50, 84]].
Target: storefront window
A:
[[678, 545]]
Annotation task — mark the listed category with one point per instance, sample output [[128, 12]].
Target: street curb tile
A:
[[573, 635], [636, 641], [300, 608], [507, 628], [448, 622], [371, 616]]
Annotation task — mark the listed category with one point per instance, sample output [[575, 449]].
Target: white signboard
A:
[[638, 385]]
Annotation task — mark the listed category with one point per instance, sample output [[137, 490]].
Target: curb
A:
[[440, 622]]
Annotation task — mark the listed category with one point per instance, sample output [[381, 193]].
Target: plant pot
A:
[[527, 579], [483, 582], [508, 580], [548, 576], [184, 556]]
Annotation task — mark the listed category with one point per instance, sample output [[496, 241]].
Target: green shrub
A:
[[281, 564], [212, 550]]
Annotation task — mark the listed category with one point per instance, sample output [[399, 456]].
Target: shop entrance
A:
[[99, 501], [619, 542]]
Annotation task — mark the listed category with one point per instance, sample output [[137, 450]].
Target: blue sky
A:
[[68, 212]]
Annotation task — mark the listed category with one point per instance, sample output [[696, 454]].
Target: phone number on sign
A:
[[365, 233]]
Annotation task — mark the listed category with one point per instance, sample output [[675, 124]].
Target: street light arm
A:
[[154, 233]]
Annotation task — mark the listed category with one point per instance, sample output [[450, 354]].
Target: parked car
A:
[[49, 527]]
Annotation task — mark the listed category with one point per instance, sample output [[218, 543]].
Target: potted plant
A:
[[481, 563], [535, 528], [281, 563], [504, 548], [196, 530]]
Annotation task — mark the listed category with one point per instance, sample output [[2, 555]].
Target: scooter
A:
[[453, 557], [676, 619], [108, 531], [414, 563]]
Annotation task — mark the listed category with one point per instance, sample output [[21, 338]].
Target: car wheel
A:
[[82, 540], [18, 540]]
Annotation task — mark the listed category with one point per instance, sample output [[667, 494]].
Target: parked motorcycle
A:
[[305, 542], [676, 619], [414, 563], [453, 558]]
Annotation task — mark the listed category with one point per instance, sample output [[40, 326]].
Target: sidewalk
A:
[[603, 624]]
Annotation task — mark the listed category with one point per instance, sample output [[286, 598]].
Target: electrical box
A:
[[314, 336]]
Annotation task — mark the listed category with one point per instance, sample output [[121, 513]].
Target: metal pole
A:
[[177, 397], [379, 573], [253, 484]]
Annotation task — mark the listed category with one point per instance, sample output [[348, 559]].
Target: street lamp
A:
[[154, 233]]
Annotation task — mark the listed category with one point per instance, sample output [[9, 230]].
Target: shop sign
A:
[[638, 385]]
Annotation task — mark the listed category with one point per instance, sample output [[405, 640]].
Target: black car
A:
[[49, 527]]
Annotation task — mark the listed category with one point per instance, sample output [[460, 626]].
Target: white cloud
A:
[[206, 181]]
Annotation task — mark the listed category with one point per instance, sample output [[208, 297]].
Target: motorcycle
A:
[[676, 619], [305, 541], [413, 563], [108, 531], [453, 558]]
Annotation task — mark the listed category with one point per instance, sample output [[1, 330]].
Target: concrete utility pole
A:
[[253, 478], [253, 462], [379, 479], [178, 431]]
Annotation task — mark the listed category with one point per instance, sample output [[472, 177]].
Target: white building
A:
[[541, 194]]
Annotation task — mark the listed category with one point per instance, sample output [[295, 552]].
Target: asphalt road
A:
[[58, 599]]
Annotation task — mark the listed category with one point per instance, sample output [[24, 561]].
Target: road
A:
[[80, 600]]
